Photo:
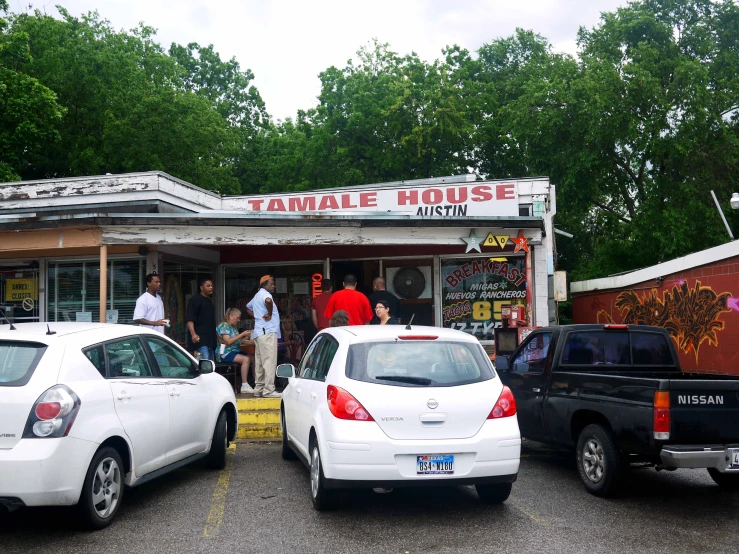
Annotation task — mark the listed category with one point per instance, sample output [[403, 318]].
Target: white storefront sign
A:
[[499, 199]]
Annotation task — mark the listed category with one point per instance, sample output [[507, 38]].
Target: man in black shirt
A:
[[201, 321], [380, 294]]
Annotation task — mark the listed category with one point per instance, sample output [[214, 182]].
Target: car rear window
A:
[[650, 349], [418, 363], [18, 360]]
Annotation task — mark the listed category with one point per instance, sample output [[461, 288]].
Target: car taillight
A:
[[418, 337], [344, 406], [505, 406], [662, 415], [52, 414]]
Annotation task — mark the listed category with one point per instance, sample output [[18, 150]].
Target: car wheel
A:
[[287, 452], [729, 481], [494, 494], [216, 458], [323, 499], [102, 491], [599, 461]]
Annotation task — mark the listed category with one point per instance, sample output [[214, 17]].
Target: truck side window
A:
[[650, 349], [533, 357]]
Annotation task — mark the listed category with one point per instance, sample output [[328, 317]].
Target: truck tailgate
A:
[[704, 410]]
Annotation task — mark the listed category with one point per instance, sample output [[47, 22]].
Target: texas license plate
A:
[[734, 457], [439, 464]]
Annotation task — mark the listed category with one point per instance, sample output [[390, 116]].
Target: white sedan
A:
[[88, 408], [382, 406]]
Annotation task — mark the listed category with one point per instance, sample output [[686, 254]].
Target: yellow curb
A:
[[260, 418], [259, 432], [250, 404]]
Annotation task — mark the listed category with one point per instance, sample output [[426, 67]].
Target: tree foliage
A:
[[635, 130]]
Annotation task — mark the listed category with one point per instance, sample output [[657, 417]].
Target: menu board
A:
[[475, 289]]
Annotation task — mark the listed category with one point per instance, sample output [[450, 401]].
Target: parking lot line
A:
[[218, 505]]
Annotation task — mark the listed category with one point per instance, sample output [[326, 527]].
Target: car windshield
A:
[[17, 362], [418, 363]]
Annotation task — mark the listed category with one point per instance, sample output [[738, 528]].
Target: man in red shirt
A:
[[319, 305], [354, 302]]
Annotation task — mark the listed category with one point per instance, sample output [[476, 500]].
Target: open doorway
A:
[[364, 270]]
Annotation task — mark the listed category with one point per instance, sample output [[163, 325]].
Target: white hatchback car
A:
[[383, 406], [86, 408]]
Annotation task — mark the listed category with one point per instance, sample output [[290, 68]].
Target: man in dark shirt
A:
[[381, 295], [201, 321]]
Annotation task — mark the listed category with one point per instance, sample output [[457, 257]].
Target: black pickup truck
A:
[[616, 393]]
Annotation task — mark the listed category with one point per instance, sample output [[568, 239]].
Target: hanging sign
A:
[[17, 290]]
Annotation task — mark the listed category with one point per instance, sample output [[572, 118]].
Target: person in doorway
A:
[[352, 301], [383, 315], [149, 310], [266, 333], [201, 321], [230, 347], [319, 305], [379, 294], [339, 319]]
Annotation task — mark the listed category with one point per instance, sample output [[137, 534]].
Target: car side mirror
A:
[[286, 370], [501, 363], [207, 366]]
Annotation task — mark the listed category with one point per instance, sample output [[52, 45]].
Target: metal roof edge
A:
[[690, 261]]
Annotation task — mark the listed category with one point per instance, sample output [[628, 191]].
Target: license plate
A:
[[734, 457], [440, 464]]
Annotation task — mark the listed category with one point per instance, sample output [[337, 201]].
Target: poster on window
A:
[[475, 289]]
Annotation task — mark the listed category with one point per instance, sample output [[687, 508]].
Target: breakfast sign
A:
[[494, 199]]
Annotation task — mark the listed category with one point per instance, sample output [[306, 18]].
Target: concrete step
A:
[[252, 404], [260, 417], [258, 431]]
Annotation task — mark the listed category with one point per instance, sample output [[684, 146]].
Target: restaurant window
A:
[[19, 294], [475, 289], [295, 287], [74, 290]]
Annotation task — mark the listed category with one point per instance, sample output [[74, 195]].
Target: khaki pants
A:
[[265, 363]]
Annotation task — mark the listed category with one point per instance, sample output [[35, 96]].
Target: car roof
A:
[[360, 333], [97, 332]]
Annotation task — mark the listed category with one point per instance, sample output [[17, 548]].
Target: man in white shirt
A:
[[265, 335], [149, 311]]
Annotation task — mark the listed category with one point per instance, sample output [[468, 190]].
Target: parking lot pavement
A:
[[262, 504]]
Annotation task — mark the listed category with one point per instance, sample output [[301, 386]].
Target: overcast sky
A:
[[287, 44]]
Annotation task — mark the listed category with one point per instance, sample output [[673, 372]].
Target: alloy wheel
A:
[[106, 487], [593, 461], [315, 471]]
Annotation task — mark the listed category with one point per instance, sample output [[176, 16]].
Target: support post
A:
[[103, 282]]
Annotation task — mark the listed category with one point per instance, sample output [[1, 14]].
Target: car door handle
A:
[[536, 390], [313, 395], [298, 391], [174, 393], [124, 396]]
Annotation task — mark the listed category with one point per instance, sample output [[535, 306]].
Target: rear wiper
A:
[[403, 379]]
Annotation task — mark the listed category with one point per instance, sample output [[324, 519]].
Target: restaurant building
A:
[[454, 250]]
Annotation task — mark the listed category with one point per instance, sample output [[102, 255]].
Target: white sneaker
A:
[[246, 389], [273, 394]]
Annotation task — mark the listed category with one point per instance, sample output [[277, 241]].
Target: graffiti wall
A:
[[699, 308]]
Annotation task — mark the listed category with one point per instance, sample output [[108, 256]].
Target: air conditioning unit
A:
[[409, 282]]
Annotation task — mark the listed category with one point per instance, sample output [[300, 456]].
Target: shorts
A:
[[229, 357]]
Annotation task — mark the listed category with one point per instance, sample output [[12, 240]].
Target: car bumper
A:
[[698, 456], [45, 472], [492, 455]]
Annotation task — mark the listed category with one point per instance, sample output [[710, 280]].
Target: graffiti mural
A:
[[690, 314]]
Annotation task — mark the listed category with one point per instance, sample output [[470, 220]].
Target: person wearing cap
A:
[[266, 333]]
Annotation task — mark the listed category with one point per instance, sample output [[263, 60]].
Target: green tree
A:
[[29, 112]]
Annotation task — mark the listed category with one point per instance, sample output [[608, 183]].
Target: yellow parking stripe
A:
[[218, 506]]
